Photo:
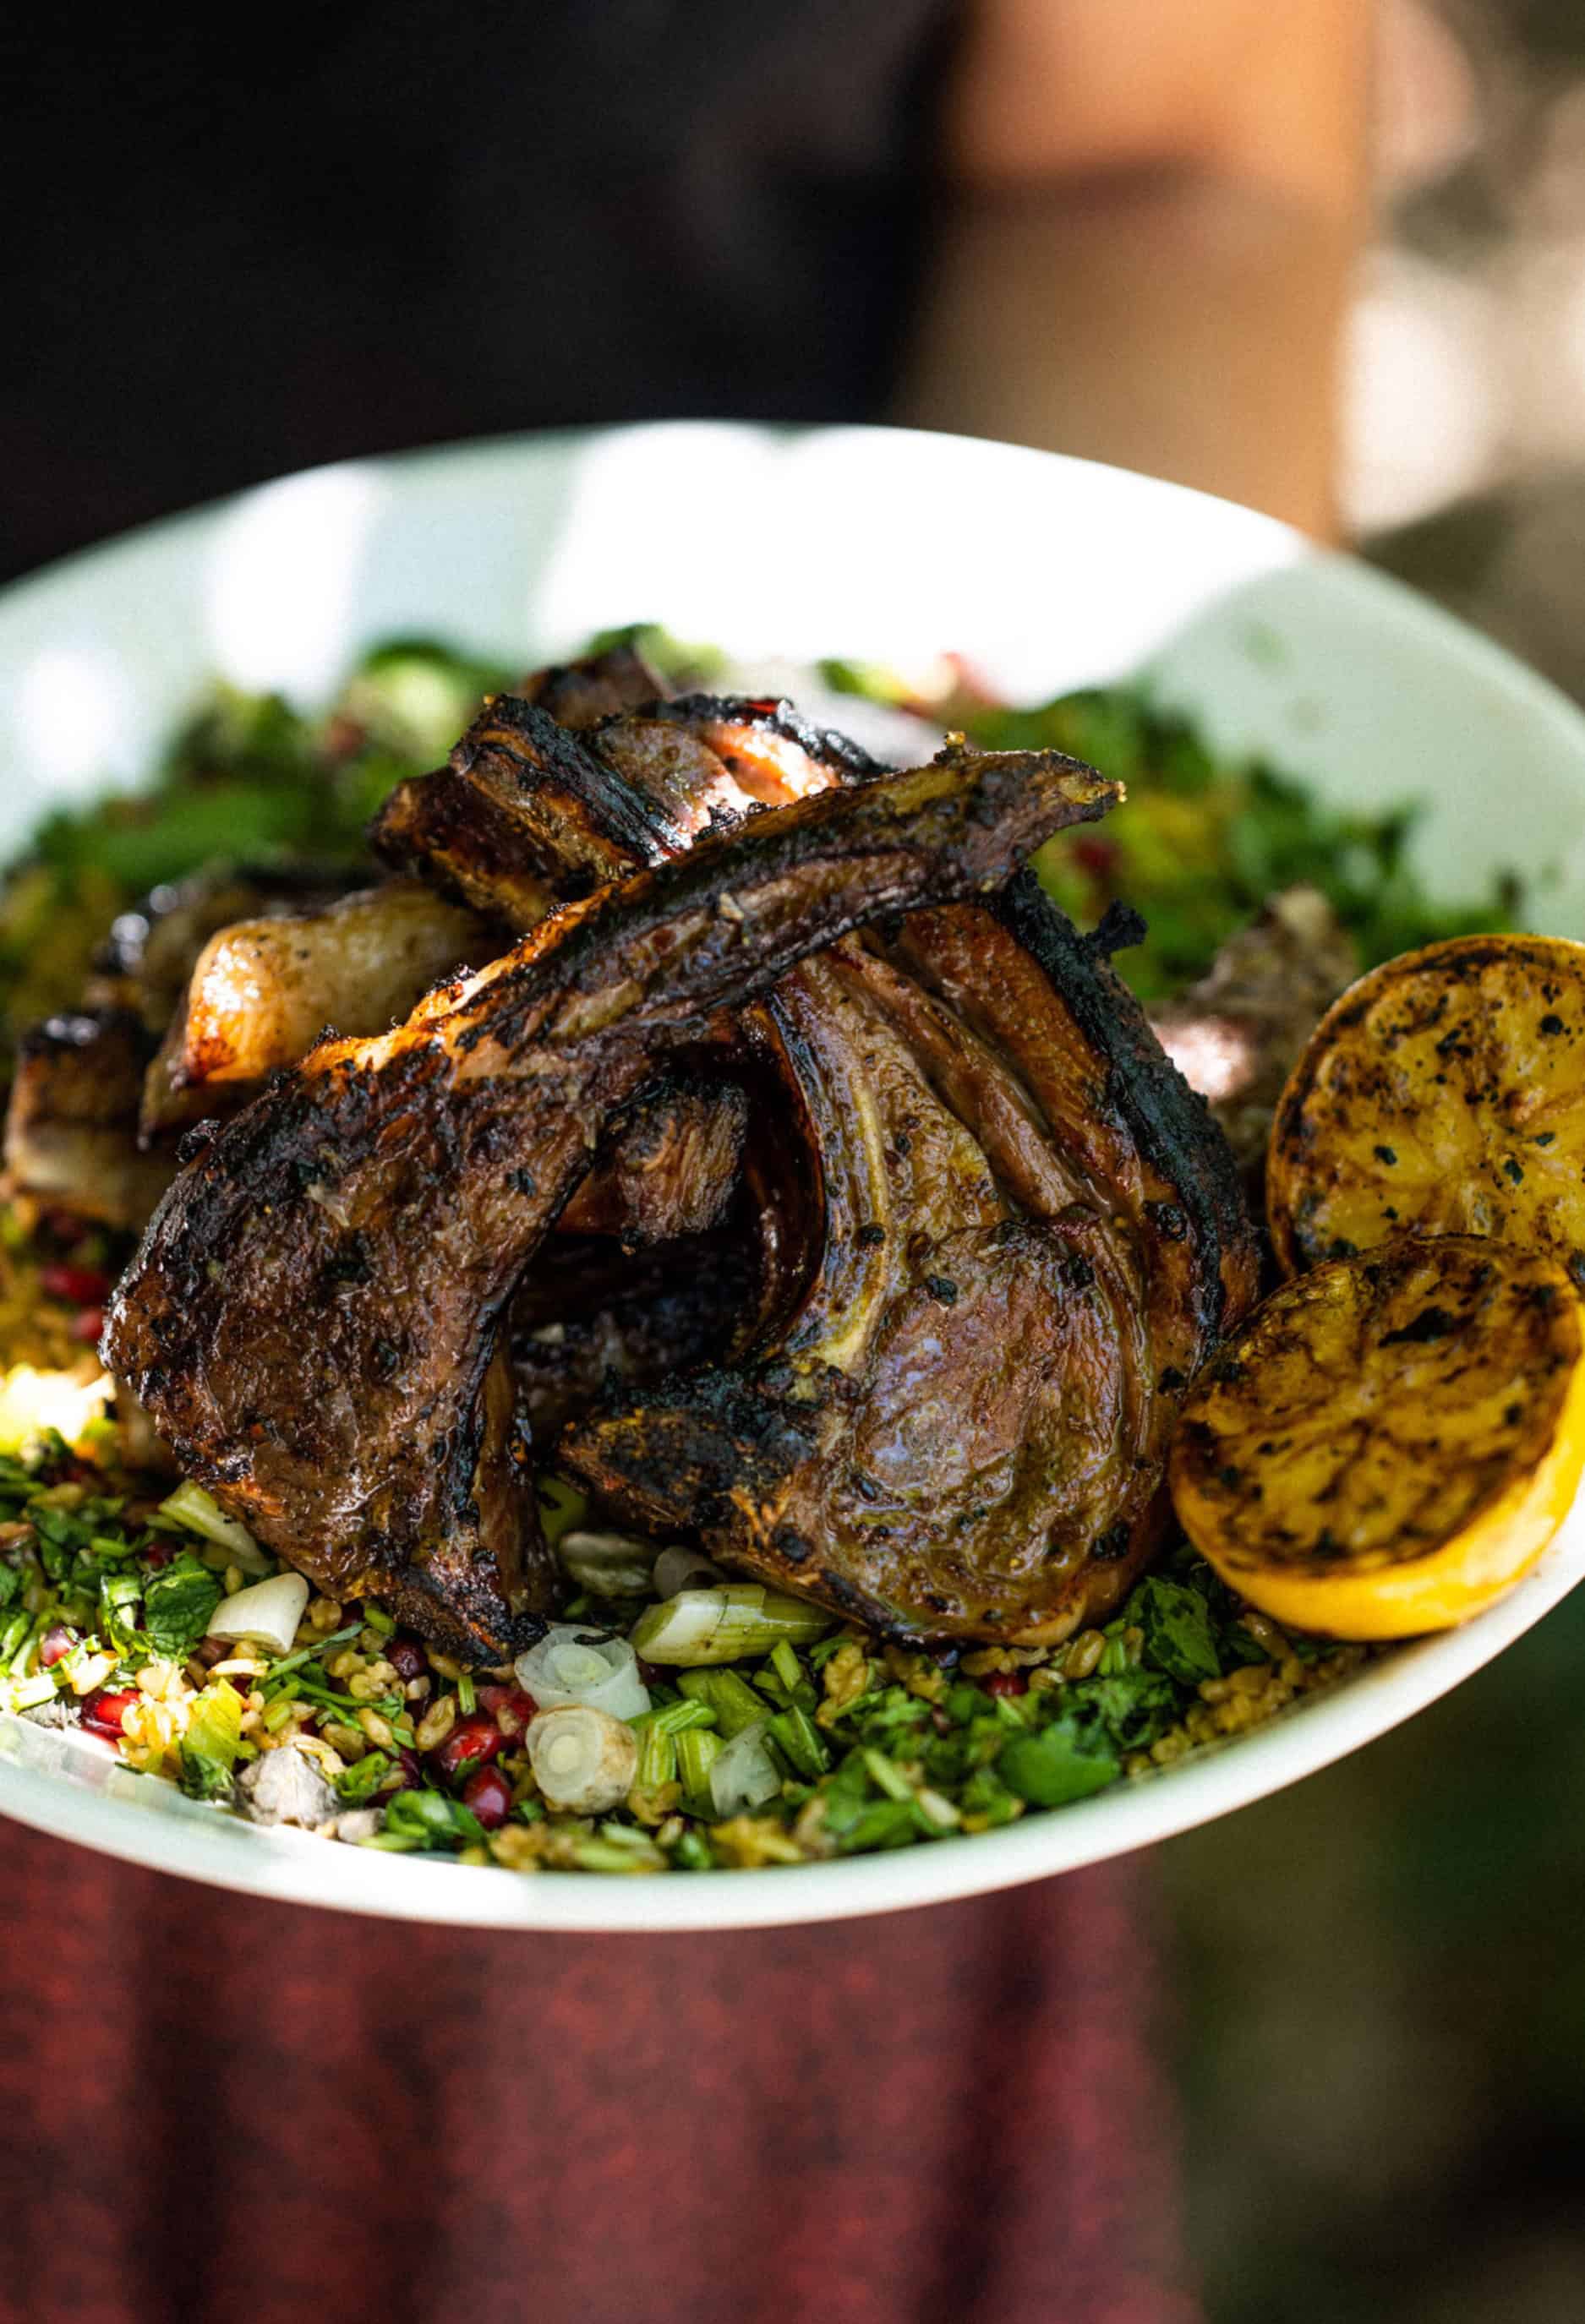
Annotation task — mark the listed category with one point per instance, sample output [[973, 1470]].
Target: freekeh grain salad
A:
[[674, 1716]]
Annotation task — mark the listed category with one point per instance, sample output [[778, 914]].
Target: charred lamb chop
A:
[[314, 1318], [529, 813], [1027, 1238]]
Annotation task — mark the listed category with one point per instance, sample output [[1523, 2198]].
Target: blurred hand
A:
[[1149, 214]]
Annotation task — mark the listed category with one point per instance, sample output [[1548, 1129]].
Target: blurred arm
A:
[[1150, 212]]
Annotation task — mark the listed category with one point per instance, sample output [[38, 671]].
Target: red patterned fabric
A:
[[213, 2107]]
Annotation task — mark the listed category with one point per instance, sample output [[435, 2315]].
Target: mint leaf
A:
[[178, 1602], [1065, 1761]]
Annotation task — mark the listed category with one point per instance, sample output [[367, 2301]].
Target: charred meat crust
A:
[[313, 1315], [1149, 1093], [1031, 1228], [592, 1319], [671, 1169], [527, 813], [71, 1117], [578, 694]]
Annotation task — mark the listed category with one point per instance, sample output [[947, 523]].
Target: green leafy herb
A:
[[210, 1747], [1065, 1761], [362, 1780], [1178, 1634], [178, 1602]]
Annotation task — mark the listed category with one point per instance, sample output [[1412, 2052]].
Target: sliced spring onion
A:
[[698, 1747], [731, 1698], [572, 1663], [192, 1508], [562, 1505], [583, 1759], [801, 1741], [269, 1612], [743, 1774], [607, 1564], [684, 1568], [657, 1759], [717, 1626]]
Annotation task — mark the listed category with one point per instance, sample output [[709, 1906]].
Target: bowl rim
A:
[[1311, 1733]]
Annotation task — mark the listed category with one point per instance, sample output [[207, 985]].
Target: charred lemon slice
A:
[[1444, 1093], [1390, 1441]]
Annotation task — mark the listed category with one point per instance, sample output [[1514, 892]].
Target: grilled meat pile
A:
[[771, 1156]]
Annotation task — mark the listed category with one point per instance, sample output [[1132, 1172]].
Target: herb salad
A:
[[762, 1732]]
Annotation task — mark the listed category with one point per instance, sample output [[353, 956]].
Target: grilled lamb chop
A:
[[71, 1118], [591, 1318], [1031, 1235], [668, 1171], [314, 1318], [582, 693], [528, 814]]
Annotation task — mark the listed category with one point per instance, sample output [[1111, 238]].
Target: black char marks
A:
[[985, 1463], [390, 1194]]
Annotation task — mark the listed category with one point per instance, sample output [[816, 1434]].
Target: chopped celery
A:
[[27, 1693], [887, 1777]]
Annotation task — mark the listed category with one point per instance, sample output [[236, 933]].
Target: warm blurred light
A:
[[1423, 409], [1427, 98], [1544, 348], [33, 1402]]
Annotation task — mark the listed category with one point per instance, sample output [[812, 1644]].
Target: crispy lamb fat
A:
[[1032, 1236], [313, 1320]]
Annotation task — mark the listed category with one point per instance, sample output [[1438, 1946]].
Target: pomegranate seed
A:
[[1014, 1681], [104, 1710], [89, 1325], [510, 1706], [650, 1673], [477, 1737], [80, 1287], [488, 1794], [412, 1767], [158, 1553], [56, 1644], [406, 1657], [1099, 857]]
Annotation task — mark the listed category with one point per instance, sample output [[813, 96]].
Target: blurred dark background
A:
[[1383, 1991], [1381, 1997]]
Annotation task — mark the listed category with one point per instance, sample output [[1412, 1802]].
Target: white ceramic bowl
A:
[[1046, 573]]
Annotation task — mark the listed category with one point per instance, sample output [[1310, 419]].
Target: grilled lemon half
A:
[[1389, 1442], [1444, 1093]]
